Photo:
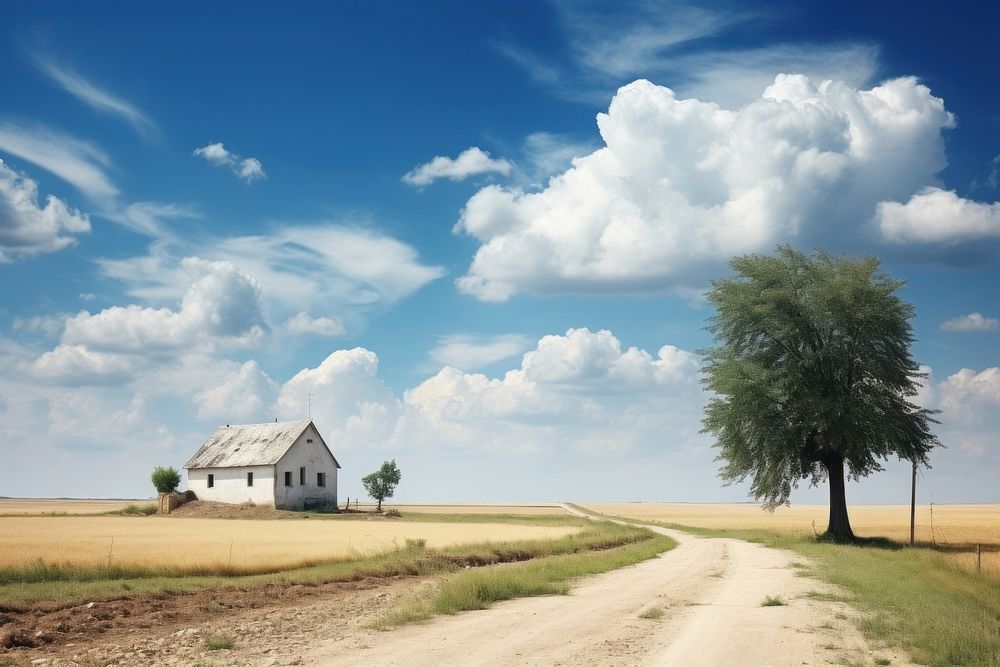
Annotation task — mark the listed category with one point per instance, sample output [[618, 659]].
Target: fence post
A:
[[979, 559]]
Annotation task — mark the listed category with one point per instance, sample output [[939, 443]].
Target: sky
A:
[[472, 237]]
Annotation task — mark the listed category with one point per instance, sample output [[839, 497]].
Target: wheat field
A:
[[959, 526], [538, 509], [178, 542], [20, 506]]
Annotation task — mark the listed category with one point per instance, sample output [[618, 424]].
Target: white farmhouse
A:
[[285, 464]]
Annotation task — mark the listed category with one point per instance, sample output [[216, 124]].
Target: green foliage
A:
[[811, 371], [381, 484], [148, 509], [166, 480], [772, 601]]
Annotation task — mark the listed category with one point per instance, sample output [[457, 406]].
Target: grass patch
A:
[[148, 509], [773, 601], [45, 585], [218, 642], [478, 589], [653, 613]]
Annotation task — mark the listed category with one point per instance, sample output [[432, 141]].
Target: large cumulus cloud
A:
[[682, 182]]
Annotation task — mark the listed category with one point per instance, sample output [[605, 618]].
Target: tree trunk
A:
[[839, 526], [379, 508]]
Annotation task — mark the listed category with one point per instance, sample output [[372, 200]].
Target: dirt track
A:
[[709, 590]]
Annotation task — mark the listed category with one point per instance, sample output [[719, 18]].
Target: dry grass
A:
[[175, 542], [953, 525], [20, 506]]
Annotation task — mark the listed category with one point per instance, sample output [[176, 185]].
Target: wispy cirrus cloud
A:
[[680, 46], [469, 353], [86, 91], [79, 163]]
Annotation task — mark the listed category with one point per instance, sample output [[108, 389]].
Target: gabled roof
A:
[[249, 444]]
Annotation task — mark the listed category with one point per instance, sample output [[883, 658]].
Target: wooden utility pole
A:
[[913, 502]]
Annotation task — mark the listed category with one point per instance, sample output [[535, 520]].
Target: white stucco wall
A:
[[231, 484], [315, 458]]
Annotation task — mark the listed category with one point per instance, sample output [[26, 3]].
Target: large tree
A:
[[811, 372]]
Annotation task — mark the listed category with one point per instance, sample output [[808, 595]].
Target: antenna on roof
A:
[[310, 406]]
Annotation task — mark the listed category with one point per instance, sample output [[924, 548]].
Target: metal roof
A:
[[248, 444]]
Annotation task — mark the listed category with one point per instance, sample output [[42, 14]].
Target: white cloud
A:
[[222, 305], [971, 322], [473, 352], [28, 229], [934, 215], [352, 406], [86, 296], [102, 100], [470, 162], [626, 44], [548, 154], [301, 268], [967, 390], [683, 183], [216, 154], [303, 323], [50, 325], [579, 391], [149, 218], [674, 43], [80, 164], [245, 394], [249, 169], [76, 364], [223, 302]]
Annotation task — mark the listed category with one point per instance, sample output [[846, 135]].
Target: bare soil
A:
[[202, 509]]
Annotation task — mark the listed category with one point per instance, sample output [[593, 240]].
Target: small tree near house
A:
[[166, 480], [381, 484]]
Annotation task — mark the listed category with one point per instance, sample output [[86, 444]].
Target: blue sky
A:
[[476, 233]]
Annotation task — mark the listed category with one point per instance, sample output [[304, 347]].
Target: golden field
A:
[[539, 509], [64, 505], [180, 542], [949, 525]]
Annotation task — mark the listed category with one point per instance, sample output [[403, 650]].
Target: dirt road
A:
[[709, 591]]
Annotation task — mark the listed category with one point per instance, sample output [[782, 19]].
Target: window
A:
[[249, 479], [309, 441], [288, 478], [211, 480], [302, 475], [321, 479]]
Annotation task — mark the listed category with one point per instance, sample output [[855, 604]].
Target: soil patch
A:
[[203, 509], [156, 630]]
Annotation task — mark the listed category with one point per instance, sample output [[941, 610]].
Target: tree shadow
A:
[[895, 545]]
